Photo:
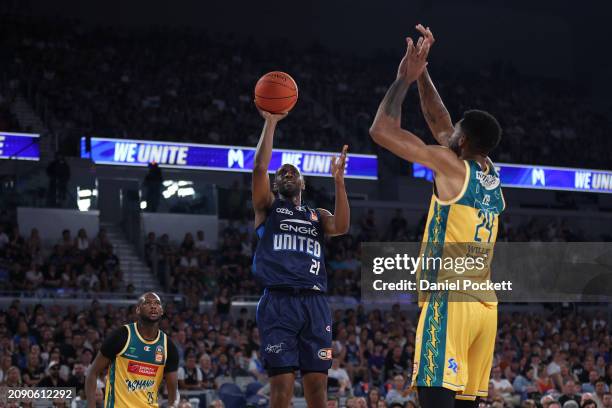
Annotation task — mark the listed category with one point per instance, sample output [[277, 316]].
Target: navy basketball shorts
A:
[[295, 331]]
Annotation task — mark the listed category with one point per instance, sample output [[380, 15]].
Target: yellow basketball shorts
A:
[[454, 346]]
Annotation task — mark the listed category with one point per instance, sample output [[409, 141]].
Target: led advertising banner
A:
[[19, 146], [542, 177], [127, 152]]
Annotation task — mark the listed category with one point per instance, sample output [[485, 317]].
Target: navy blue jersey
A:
[[290, 248]]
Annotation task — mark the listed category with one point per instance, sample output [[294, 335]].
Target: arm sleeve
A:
[[172, 359], [114, 343]]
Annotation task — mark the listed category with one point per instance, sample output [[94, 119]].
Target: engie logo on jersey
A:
[[148, 370], [325, 354]]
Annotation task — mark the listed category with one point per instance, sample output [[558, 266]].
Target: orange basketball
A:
[[276, 92]]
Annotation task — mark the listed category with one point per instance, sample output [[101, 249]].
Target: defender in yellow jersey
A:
[[456, 332], [138, 357]]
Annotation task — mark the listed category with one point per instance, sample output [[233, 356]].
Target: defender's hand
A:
[[427, 34], [415, 60], [272, 117], [338, 164]]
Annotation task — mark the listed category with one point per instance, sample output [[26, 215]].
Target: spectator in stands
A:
[[4, 238], [52, 378], [200, 242], [589, 403], [5, 365], [600, 390], [338, 378], [81, 242], [395, 363], [569, 392], [33, 244], [373, 398], [524, 383], [189, 376], [593, 378], [502, 386], [208, 372], [544, 382], [13, 378], [607, 400], [34, 277], [33, 372], [400, 391]]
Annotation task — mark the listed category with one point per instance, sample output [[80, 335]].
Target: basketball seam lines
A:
[[279, 83]]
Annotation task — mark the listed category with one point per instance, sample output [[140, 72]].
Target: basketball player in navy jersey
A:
[[293, 315]]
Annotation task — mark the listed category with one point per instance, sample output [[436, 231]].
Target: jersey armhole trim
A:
[[459, 196], [165, 348], [127, 342]]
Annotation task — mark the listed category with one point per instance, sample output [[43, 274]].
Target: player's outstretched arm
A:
[[437, 116], [99, 364], [339, 222], [262, 194], [386, 129]]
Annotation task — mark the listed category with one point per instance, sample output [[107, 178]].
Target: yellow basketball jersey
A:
[[136, 373], [464, 227]]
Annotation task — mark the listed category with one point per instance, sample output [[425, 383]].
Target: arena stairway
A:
[[135, 270], [30, 120]]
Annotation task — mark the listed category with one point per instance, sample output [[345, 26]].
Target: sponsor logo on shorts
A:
[[282, 210], [148, 370], [452, 364], [325, 354], [275, 348]]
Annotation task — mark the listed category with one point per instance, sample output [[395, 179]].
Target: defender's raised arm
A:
[[435, 113]]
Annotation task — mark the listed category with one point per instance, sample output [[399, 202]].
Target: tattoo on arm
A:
[[392, 102], [432, 106]]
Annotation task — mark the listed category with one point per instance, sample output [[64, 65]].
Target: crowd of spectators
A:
[[541, 358], [68, 266], [179, 84]]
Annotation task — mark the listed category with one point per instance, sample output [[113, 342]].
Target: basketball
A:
[[276, 92]]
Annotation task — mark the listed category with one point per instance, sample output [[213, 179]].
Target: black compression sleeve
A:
[[114, 343], [172, 358]]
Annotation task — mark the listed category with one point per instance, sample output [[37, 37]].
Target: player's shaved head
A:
[[149, 308], [144, 297]]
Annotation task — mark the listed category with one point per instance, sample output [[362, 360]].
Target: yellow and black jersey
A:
[[465, 226], [137, 367]]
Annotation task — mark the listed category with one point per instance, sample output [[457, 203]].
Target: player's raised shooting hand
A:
[[272, 117], [427, 34], [338, 164], [414, 61]]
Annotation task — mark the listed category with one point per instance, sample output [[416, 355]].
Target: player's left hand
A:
[[427, 34], [338, 164], [414, 61]]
